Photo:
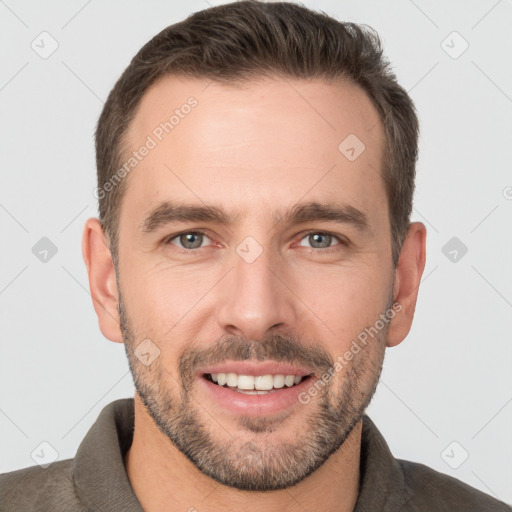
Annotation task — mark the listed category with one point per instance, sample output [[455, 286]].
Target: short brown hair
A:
[[250, 39]]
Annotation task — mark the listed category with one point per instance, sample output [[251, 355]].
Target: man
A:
[[254, 254]]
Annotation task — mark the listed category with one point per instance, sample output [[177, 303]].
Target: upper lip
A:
[[255, 368]]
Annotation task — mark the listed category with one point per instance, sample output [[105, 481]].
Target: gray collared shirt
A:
[[96, 479]]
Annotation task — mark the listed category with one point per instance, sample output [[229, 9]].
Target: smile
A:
[[255, 384]]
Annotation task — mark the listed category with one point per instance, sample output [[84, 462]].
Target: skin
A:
[[254, 150]]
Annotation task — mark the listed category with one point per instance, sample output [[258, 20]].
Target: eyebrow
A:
[[168, 212]]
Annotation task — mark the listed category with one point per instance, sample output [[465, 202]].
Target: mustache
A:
[[276, 347]]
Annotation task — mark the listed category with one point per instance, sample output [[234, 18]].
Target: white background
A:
[[448, 381]]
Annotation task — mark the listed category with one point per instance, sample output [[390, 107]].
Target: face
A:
[[250, 244]]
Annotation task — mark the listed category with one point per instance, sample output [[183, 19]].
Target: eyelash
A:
[[326, 250]]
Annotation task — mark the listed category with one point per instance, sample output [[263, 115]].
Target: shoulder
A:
[[428, 489], [42, 489]]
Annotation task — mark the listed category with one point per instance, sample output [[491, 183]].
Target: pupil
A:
[[316, 236], [193, 238]]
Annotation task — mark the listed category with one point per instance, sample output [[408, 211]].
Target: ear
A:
[[407, 281], [102, 279]]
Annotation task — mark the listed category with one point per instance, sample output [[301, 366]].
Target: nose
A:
[[256, 298]]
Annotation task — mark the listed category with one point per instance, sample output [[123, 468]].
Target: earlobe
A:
[[407, 280], [102, 279]]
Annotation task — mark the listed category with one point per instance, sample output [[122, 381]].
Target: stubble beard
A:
[[252, 461]]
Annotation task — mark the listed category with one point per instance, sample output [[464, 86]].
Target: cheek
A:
[[164, 295], [344, 300]]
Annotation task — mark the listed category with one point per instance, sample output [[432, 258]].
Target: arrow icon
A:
[[351, 147], [454, 45], [249, 253], [40, 455], [40, 44], [44, 250], [454, 249], [147, 352], [454, 455]]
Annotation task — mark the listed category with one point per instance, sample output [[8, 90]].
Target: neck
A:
[[163, 479]]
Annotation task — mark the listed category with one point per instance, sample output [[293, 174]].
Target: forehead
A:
[[267, 142]]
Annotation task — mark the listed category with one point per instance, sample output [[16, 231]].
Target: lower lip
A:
[[255, 405]]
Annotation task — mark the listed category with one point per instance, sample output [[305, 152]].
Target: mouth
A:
[[255, 384], [254, 395]]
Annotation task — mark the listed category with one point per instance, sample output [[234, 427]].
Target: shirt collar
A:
[[99, 472], [101, 480], [382, 483]]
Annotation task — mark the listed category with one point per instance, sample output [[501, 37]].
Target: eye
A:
[[188, 241], [191, 240], [321, 240]]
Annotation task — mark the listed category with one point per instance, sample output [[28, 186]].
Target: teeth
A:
[[254, 392], [232, 379], [288, 380], [278, 381], [248, 383]]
